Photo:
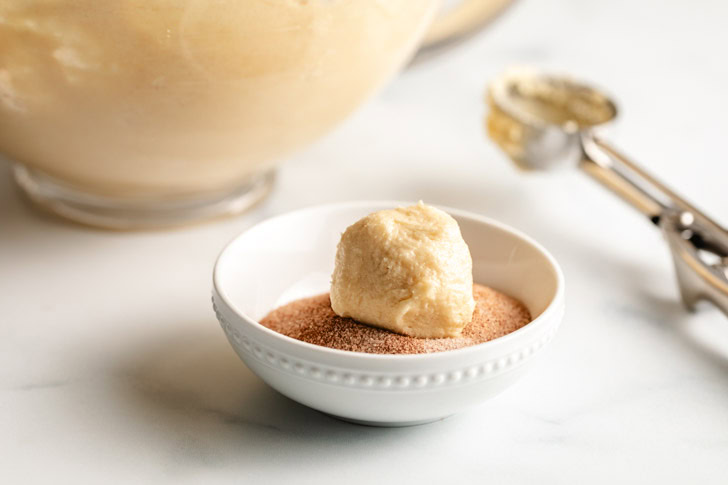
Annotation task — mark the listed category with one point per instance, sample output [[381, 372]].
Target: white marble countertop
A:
[[114, 369]]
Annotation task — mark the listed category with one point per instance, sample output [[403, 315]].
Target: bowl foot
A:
[[111, 212], [387, 424]]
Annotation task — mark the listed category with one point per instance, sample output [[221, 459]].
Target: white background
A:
[[114, 369]]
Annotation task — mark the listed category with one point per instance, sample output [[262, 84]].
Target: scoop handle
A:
[[698, 244], [621, 176]]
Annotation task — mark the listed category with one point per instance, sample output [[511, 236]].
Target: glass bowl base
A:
[[111, 212]]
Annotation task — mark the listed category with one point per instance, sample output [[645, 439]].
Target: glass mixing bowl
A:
[[144, 113]]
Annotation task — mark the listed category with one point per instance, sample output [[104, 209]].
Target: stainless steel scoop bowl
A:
[[544, 122]]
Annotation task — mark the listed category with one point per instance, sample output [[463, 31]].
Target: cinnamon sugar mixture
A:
[[312, 320]]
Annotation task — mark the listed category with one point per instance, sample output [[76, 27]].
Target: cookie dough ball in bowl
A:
[[292, 256], [407, 270]]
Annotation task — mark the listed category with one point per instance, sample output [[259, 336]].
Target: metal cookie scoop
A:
[[543, 122]]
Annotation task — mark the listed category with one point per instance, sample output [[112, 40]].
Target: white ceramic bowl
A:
[[292, 256]]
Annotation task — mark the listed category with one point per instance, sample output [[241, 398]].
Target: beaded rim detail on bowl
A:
[[382, 381]]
